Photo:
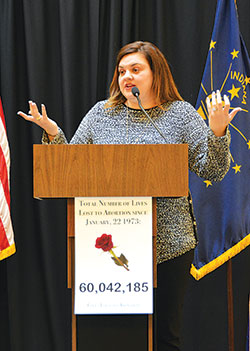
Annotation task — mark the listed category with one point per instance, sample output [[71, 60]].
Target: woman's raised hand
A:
[[219, 116], [42, 120]]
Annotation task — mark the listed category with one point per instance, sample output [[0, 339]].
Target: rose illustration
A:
[[105, 243]]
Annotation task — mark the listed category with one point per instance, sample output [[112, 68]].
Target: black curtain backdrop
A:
[[62, 53]]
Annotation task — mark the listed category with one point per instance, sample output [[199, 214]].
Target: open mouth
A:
[[129, 86]]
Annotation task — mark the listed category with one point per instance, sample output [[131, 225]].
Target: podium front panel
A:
[[110, 170]]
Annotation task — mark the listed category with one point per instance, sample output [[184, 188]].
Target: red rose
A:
[[104, 242]]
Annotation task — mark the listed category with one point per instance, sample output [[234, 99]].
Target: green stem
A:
[[118, 259]]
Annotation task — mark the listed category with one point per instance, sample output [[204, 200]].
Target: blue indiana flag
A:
[[223, 209]]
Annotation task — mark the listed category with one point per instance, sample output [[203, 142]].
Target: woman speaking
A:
[[120, 120]]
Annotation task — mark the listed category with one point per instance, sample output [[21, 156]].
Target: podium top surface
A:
[[66, 171]]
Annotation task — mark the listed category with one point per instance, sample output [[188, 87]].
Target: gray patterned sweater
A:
[[209, 158]]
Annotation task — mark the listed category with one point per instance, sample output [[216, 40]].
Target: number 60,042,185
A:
[[113, 287]]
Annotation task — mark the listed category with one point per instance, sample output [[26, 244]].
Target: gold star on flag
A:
[[208, 183], [236, 168], [247, 80], [234, 54], [248, 144], [234, 92], [212, 45]]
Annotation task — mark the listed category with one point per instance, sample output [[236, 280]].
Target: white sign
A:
[[113, 255]]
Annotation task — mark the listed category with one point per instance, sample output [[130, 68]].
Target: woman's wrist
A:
[[52, 130], [50, 135], [220, 133]]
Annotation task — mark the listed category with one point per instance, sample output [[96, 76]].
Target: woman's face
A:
[[134, 70]]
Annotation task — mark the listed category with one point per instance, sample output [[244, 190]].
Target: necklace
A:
[[129, 117]]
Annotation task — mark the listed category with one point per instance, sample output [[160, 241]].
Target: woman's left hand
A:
[[219, 116]]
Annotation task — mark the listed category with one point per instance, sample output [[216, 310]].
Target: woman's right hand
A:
[[42, 120]]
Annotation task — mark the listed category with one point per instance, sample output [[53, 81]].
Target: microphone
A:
[[136, 93]]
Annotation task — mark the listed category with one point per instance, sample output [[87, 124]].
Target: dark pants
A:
[[172, 278]]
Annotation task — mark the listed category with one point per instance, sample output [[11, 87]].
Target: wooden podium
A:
[[69, 171]]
